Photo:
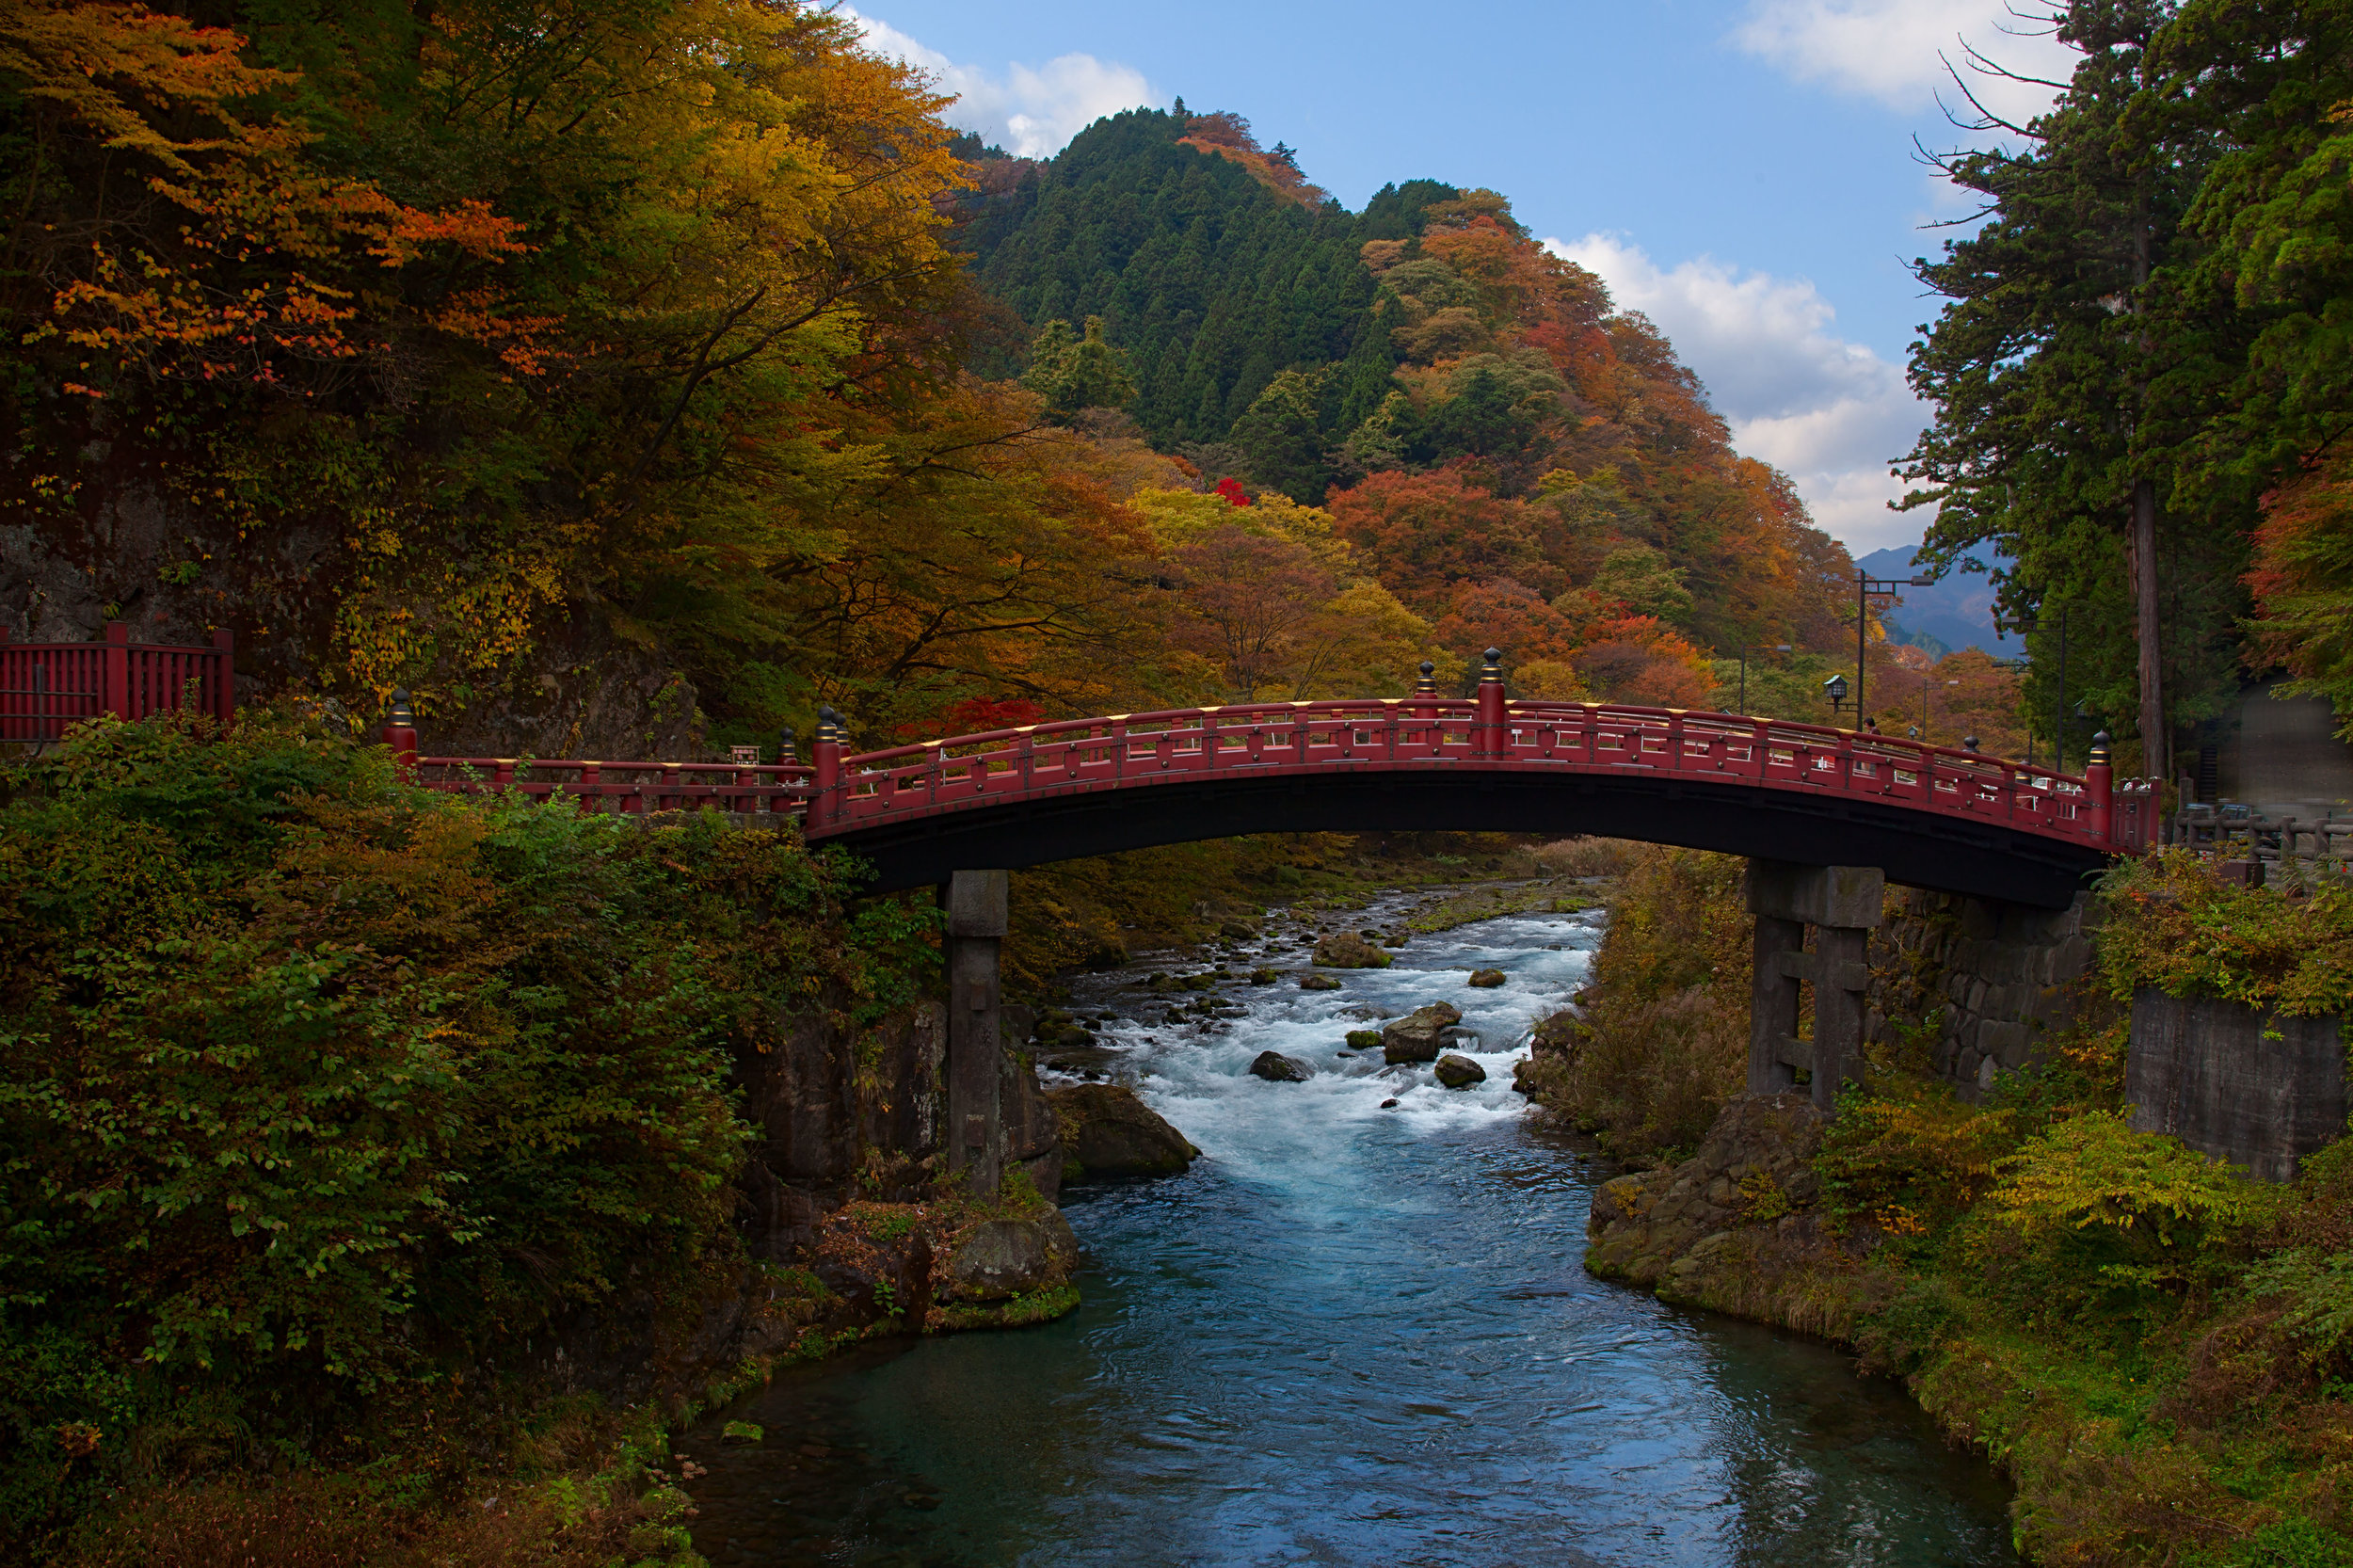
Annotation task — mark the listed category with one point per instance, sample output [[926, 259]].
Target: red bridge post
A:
[[400, 734], [1426, 694], [2099, 787], [825, 763], [1494, 738]]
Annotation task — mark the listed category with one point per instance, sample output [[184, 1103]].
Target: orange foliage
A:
[[1503, 613], [1228, 136], [1427, 535], [238, 282], [1641, 659]]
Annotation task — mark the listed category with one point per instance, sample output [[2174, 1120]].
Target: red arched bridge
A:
[[1929, 816]]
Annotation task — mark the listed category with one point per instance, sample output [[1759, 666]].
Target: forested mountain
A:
[[1506, 451]]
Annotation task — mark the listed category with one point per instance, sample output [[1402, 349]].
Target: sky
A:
[[1742, 172]]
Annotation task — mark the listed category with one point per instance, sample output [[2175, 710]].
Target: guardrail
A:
[[47, 687], [842, 792]]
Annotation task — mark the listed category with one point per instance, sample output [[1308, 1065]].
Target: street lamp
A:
[[1836, 689]]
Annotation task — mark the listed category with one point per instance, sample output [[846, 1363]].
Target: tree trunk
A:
[[2154, 749]]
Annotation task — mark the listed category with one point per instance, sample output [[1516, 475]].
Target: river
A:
[[1351, 1335]]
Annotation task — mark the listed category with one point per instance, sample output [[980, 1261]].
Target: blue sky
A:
[[1741, 170]]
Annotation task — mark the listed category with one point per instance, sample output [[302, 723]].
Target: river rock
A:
[[1264, 977], [1277, 1068], [1107, 1131], [1486, 979], [1313, 982], [1415, 1036], [1363, 1039], [1345, 949], [1459, 1072], [1008, 1258], [1558, 1036]]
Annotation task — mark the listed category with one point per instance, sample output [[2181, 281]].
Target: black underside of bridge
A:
[[1918, 848]]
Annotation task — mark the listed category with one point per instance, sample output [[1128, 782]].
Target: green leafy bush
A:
[[317, 1089], [2093, 1221], [2177, 927]]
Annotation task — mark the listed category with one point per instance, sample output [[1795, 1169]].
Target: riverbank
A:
[[2154, 1349]]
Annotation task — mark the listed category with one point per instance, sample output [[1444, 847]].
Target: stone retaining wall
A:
[[2000, 974]]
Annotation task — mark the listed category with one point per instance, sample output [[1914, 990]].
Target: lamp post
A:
[[1836, 689], [1866, 588]]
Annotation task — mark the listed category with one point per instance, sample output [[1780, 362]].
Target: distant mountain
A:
[[1958, 612]]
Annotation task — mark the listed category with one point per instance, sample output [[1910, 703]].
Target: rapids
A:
[[1350, 1334]]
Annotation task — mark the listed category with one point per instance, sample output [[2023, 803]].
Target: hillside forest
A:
[[639, 383]]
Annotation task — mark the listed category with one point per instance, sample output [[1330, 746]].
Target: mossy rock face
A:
[[1486, 979], [1265, 977], [1318, 983], [1364, 1039], [1039, 1306], [1345, 949]]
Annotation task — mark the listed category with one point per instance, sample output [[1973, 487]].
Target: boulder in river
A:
[[1007, 1258], [1345, 949], [1415, 1036], [1107, 1131], [1486, 979], [1459, 1072], [1277, 1068], [1265, 976], [1313, 982], [1363, 1039]]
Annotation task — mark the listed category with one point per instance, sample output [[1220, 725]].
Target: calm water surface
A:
[[1350, 1336]]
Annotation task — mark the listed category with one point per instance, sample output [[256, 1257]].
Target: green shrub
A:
[[2093, 1222], [2177, 926], [1665, 1042], [317, 1089]]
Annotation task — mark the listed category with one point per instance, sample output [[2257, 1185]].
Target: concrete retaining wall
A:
[[2206, 1072]]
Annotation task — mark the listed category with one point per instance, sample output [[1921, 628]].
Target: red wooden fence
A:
[[47, 687], [843, 794]]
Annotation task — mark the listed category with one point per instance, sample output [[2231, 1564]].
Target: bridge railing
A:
[[840, 793], [46, 688], [626, 788], [876, 787]]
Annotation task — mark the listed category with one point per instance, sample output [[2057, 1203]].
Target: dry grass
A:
[[1585, 856]]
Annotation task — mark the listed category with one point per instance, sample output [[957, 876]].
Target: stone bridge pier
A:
[[1842, 903], [976, 910]]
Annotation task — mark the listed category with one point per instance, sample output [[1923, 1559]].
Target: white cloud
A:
[[1031, 111], [1895, 51], [1828, 412]]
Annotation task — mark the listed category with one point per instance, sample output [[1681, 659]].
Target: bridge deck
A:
[[1720, 780]]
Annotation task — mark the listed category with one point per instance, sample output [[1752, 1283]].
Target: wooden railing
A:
[[840, 793], [46, 687]]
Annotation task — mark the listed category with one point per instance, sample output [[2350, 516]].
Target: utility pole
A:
[[1866, 588]]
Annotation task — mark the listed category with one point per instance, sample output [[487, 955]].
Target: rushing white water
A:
[[1197, 1074]]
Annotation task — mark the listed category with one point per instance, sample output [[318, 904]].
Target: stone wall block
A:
[[2007, 1042]]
